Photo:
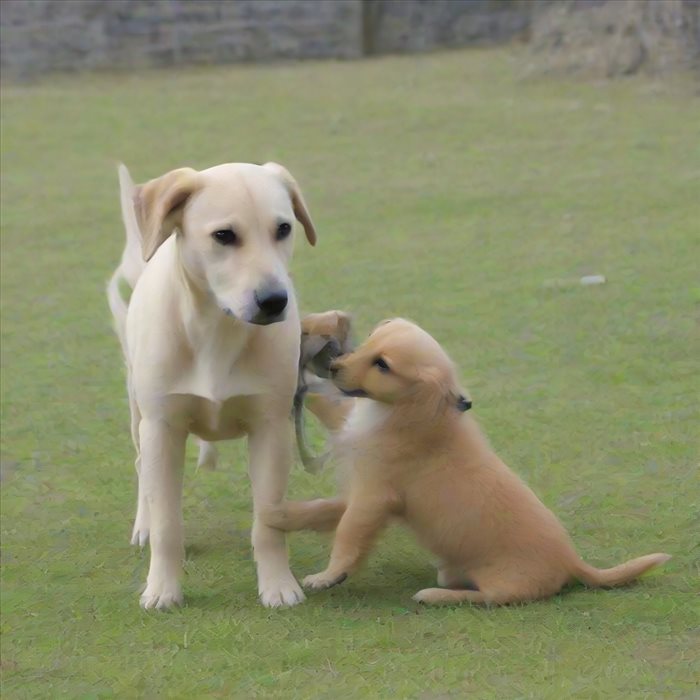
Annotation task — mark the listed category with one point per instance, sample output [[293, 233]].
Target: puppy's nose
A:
[[272, 302]]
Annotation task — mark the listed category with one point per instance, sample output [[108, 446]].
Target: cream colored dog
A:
[[416, 455], [211, 341]]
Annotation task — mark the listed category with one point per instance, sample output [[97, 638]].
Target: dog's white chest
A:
[[217, 373], [366, 415]]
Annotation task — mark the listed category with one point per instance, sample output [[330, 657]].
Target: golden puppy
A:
[[417, 455]]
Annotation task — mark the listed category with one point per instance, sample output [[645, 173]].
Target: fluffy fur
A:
[[416, 456]]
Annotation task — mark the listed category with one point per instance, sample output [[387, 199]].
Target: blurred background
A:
[[599, 37]]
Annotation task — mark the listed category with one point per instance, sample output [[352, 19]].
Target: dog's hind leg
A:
[[208, 455], [142, 524]]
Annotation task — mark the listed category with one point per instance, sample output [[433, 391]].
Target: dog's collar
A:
[[463, 404]]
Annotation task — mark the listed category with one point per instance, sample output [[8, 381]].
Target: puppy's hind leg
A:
[[453, 577], [450, 596]]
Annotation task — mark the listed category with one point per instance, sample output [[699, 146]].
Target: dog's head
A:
[[400, 363], [234, 224]]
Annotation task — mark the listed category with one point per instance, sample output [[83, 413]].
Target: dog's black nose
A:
[[273, 303]]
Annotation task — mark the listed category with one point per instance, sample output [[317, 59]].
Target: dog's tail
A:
[[617, 575], [118, 307], [127, 189], [132, 263]]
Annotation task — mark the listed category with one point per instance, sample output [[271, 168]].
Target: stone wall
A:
[[602, 37], [48, 35], [397, 26], [38, 36], [605, 39]]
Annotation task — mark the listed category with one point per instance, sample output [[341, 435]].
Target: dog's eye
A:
[[226, 237], [381, 365], [283, 230]]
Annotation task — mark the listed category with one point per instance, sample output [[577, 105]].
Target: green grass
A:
[[444, 189]]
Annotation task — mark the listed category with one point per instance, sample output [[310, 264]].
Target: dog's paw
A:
[[323, 580], [283, 593], [161, 596]]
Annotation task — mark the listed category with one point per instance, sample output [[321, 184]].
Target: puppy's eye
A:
[[381, 365], [226, 237], [283, 230]]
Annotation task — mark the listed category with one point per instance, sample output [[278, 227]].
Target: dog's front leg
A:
[[162, 461], [270, 447]]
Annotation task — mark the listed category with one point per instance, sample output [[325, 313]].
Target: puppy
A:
[[418, 456]]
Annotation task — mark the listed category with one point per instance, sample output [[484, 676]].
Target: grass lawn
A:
[[444, 189]]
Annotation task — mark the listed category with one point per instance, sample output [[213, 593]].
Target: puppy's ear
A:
[[443, 389], [158, 205], [298, 204]]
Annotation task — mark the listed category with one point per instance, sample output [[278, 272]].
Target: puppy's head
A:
[[400, 364], [234, 224]]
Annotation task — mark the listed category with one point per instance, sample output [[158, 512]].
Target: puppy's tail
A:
[[617, 575]]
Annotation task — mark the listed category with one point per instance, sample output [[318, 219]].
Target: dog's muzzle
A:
[[272, 305]]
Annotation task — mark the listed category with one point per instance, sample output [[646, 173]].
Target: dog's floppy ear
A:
[[158, 205], [298, 204], [444, 389]]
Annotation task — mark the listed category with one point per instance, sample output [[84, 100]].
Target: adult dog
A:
[[415, 455], [211, 341]]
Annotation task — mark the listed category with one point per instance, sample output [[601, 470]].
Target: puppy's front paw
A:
[[323, 580], [161, 596]]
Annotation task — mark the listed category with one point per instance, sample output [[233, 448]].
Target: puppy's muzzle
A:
[[272, 304], [333, 369]]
